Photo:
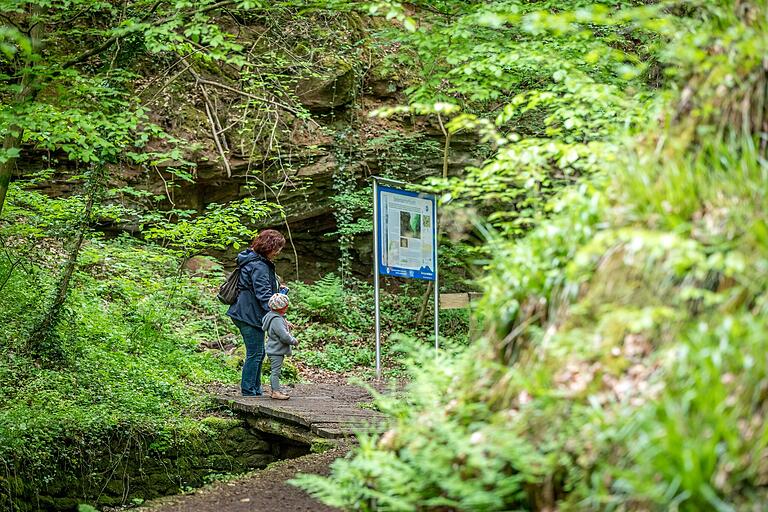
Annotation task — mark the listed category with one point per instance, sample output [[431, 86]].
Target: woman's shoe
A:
[[279, 396]]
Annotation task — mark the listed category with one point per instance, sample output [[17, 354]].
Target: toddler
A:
[[279, 340]]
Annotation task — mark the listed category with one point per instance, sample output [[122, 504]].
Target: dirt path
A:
[[264, 490], [267, 490]]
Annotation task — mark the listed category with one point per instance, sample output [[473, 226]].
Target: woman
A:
[[257, 284]]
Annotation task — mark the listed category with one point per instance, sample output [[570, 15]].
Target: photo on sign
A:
[[390, 255], [410, 224]]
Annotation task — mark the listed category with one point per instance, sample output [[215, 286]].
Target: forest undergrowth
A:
[[142, 343], [619, 360], [623, 363]]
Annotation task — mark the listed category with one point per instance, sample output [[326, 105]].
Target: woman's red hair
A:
[[268, 242]]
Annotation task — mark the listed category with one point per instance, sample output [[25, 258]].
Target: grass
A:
[[131, 366], [623, 364], [128, 368]]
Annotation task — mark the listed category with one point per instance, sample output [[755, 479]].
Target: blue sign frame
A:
[[426, 273]]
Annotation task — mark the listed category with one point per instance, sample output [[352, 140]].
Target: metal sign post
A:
[[437, 295], [376, 259], [404, 242]]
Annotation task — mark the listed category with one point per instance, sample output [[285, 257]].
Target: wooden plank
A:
[[458, 300], [360, 413], [332, 418], [350, 414], [282, 429], [317, 415], [335, 430], [307, 417], [310, 412], [284, 414], [332, 433], [349, 428]]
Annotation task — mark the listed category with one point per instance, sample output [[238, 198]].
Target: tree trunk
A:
[[6, 168], [424, 303], [27, 92], [39, 338]]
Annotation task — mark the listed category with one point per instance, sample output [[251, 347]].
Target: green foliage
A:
[[436, 462], [552, 92], [345, 203], [289, 374], [349, 205], [46, 218], [699, 446], [337, 358], [328, 302], [621, 366], [335, 324], [218, 227], [130, 335], [401, 154]]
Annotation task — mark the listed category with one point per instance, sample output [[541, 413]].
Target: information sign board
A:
[[406, 224]]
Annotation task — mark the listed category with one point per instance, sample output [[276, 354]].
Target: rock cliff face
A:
[[297, 141]]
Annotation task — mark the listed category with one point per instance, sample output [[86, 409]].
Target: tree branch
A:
[[151, 11], [215, 127], [447, 146], [11, 22], [216, 140], [90, 53], [253, 96], [110, 41], [71, 18]]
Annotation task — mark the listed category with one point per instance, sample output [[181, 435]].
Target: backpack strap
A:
[[269, 324]]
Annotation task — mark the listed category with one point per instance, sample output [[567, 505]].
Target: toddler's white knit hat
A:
[[278, 301]]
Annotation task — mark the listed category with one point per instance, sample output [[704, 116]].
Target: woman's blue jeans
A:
[[250, 384]]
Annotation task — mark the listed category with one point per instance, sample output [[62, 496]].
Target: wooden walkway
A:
[[328, 411]]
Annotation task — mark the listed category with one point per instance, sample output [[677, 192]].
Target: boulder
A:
[[327, 91]]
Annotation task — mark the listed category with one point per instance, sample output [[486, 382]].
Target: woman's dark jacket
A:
[[257, 284]]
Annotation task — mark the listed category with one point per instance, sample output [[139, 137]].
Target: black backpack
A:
[[229, 290]]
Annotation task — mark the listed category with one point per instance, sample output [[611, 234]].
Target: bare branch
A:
[[165, 184], [209, 112], [253, 96], [11, 22], [166, 84], [151, 11], [224, 158]]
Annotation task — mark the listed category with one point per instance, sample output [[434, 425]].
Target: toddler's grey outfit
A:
[[279, 342]]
